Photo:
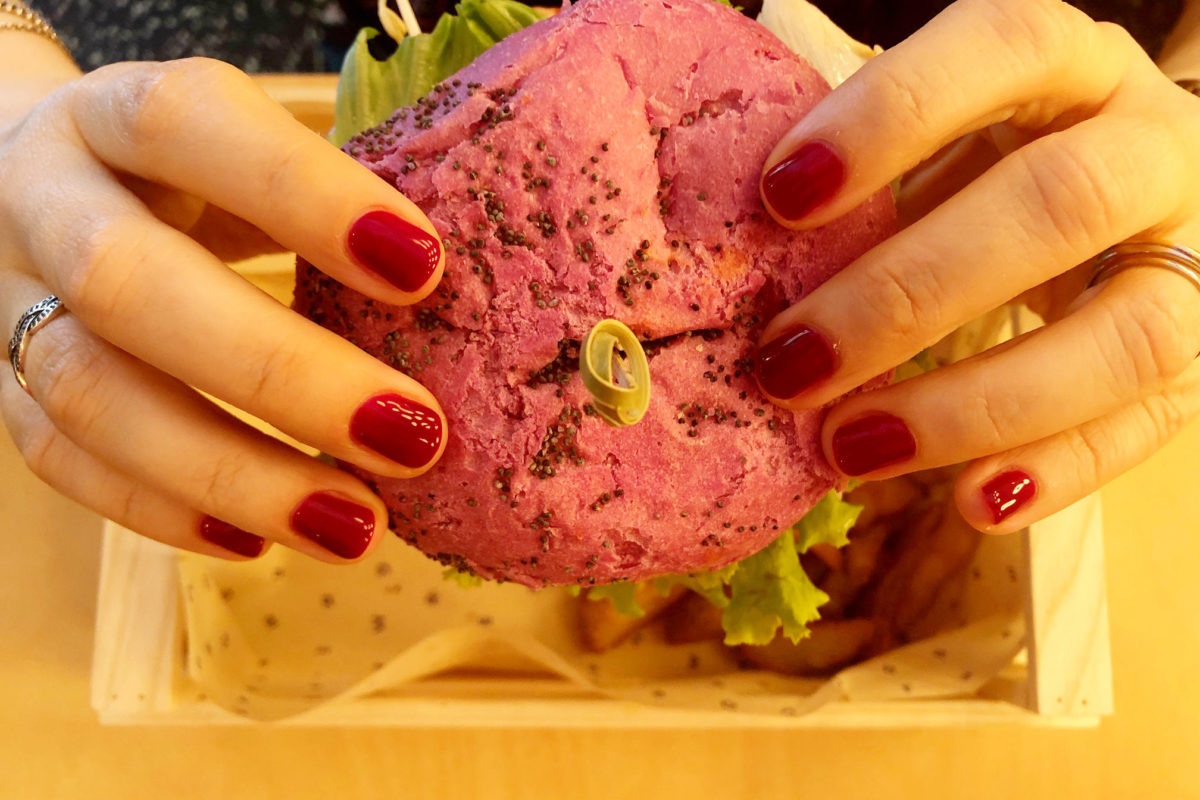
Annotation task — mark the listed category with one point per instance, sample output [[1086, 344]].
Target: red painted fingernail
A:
[[394, 249], [401, 429], [341, 526], [872, 442], [1008, 492], [794, 361], [232, 538], [808, 177]]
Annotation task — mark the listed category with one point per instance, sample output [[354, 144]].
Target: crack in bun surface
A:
[[602, 163]]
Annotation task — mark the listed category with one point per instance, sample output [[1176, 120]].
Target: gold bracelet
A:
[[31, 22]]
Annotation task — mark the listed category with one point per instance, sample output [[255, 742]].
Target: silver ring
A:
[[34, 317], [1183, 261]]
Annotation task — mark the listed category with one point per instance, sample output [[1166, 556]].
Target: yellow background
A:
[[52, 747]]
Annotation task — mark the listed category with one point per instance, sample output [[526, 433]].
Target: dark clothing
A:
[[312, 35], [887, 22]]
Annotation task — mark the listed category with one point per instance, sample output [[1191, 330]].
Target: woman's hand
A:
[[120, 193], [1082, 144]]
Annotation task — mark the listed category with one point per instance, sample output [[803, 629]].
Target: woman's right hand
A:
[[120, 193]]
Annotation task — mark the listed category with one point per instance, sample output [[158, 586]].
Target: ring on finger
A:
[[1180, 259], [29, 322]]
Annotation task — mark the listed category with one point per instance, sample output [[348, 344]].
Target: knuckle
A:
[[273, 377], [1153, 337], [1034, 30], [1072, 197], [128, 504], [221, 479], [163, 97], [1087, 448], [905, 301], [98, 264], [39, 446], [1165, 415], [990, 419], [1118, 40], [287, 168], [904, 93], [68, 381]]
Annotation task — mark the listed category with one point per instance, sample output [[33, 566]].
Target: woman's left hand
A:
[[1091, 145]]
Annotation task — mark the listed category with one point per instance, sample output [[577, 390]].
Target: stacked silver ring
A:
[[1183, 261], [34, 317]]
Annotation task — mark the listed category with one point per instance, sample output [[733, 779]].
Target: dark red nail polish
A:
[[808, 177], [341, 526], [794, 361], [1008, 492], [872, 442], [401, 429], [395, 249], [232, 538]]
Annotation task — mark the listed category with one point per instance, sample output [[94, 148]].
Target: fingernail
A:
[[872, 442], [341, 526], [808, 177], [401, 429], [232, 538], [394, 249], [791, 363], [1008, 492]]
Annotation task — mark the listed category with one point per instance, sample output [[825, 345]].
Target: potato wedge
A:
[[602, 627], [831, 644], [883, 498], [693, 619], [930, 553]]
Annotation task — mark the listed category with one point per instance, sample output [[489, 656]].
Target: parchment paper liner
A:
[[277, 637]]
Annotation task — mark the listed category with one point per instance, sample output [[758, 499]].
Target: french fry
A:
[[860, 560], [884, 498], [831, 644], [830, 555], [693, 619], [930, 553], [602, 627]]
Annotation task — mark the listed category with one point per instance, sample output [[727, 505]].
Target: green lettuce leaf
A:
[[769, 590], [369, 90], [764, 592], [828, 522], [711, 585], [623, 595]]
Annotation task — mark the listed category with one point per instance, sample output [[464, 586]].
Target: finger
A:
[[1036, 214], [978, 63], [205, 128], [230, 238], [1010, 490], [940, 177], [1135, 336], [164, 436], [89, 481], [156, 294], [227, 237]]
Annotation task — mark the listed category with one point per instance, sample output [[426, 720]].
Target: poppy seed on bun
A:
[[603, 163]]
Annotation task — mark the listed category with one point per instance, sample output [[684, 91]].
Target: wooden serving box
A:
[[1063, 676]]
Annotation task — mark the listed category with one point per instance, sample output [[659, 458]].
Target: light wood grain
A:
[[51, 745]]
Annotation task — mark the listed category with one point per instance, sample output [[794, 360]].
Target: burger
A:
[[599, 170]]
